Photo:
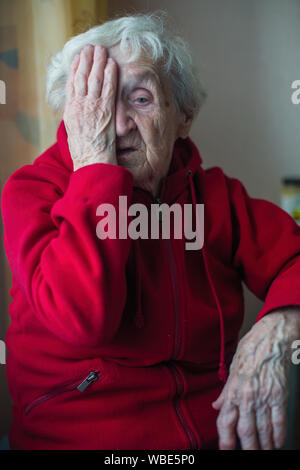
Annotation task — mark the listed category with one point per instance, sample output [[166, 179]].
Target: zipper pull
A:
[[92, 377]]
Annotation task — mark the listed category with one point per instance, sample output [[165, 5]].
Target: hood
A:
[[185, 168]]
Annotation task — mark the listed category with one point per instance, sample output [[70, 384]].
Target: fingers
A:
[[226, 424], [264, 428], [110, 81], [89, 113], [239, 416], [70, 90], [246, 429], [92, 74], [279, 425], [95, 80], [218, 403], [83, 70]]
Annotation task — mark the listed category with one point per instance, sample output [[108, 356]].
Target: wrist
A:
[[269, 339], [290, 319], [91, 161]]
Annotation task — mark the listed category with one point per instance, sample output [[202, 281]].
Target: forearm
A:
[[57, 257]]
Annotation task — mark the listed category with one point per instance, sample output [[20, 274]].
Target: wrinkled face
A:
[[147, 123]]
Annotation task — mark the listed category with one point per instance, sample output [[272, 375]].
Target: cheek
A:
[[154, 129], [158, 140], [160, 123]]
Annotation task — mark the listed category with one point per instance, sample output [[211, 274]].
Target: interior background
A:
[[249, 54]]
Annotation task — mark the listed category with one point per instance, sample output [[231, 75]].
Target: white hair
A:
[[137, 34]]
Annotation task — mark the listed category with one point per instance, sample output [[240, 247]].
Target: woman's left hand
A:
[[253, 402]]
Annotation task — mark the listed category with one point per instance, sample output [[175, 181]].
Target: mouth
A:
[[125, 151]]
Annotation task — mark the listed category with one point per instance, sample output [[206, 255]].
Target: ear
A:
[[184, 126]]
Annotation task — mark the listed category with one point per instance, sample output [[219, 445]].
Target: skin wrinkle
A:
[[142, 79], [85, 115], [158, 136], [253, 401], [258, 383]]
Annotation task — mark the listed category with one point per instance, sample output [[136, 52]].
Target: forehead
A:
[[141, 70]]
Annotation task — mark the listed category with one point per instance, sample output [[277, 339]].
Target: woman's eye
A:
[[141, 100]]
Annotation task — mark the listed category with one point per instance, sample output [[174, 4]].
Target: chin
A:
[[131, 160], [143, 174]]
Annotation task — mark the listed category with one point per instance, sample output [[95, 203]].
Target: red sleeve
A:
[[74, 281], [266, 249]]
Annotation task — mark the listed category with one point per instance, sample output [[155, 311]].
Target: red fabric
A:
[[151, 319]]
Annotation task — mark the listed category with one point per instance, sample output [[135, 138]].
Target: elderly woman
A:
[[122, 343]]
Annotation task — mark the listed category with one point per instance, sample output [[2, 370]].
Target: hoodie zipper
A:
[[177, 398], [175, 289], [81, 385], [177, 343]]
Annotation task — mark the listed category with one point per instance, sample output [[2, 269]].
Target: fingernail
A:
[[88, 47], [99, 49]]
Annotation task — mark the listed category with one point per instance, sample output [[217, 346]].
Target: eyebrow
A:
[[140, 77]]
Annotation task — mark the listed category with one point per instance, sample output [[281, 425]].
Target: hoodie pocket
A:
[[81, 385]]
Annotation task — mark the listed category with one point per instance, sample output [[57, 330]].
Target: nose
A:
[[124, 122]]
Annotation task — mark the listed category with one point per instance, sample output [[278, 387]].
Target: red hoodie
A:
[[143, 326]]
